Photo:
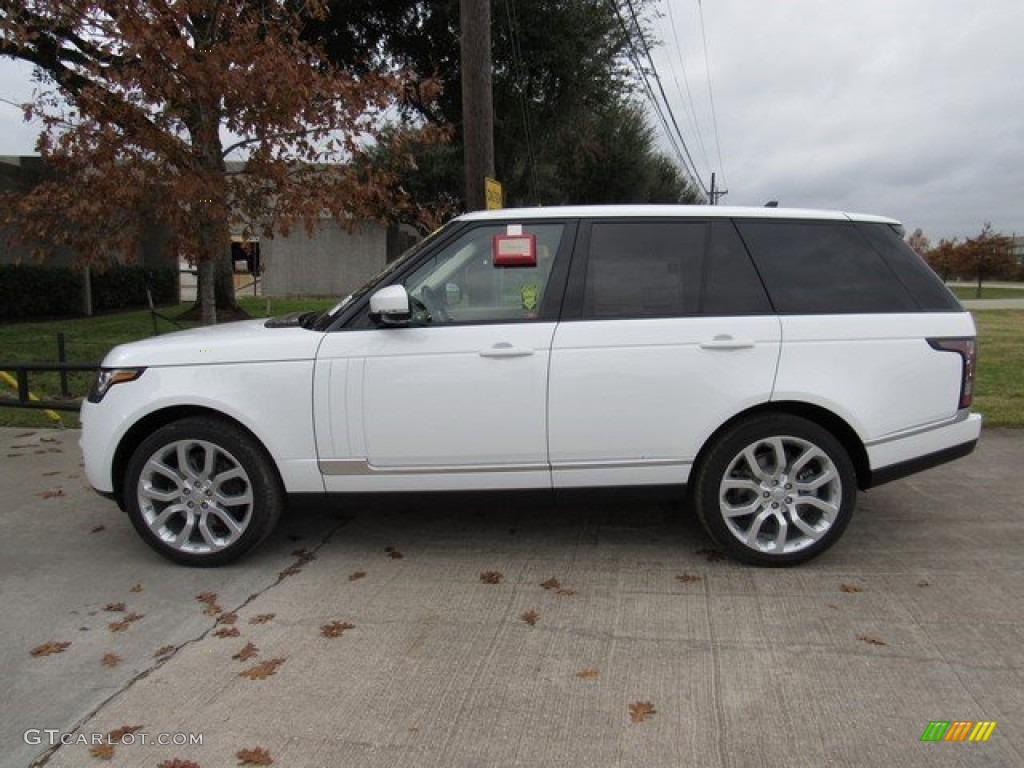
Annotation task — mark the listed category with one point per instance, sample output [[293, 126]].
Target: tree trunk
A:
[[205, 299], [216, 293], [225, 287]]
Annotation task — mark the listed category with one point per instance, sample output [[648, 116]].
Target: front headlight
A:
[[108, 377]]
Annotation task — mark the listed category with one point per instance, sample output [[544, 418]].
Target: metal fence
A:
[[26, 399], [16, 376]]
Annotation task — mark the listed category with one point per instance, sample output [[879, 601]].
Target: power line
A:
[[634, 59], [711, 94], [519, 75], [687, 96], [674, 133]]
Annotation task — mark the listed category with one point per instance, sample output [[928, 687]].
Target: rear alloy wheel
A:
[[776, 490], [202, 492]]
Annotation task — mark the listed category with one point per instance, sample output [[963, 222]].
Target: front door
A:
[[457, 400]]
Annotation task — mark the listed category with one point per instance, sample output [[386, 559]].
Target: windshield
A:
[[323, 322]]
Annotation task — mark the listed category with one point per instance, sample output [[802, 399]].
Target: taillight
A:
[[967, 348]]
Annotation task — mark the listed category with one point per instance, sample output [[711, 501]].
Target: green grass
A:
[[987, 292], [88, 339], [999, 393], [999, 389]]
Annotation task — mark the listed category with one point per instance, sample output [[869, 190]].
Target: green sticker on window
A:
[[529, 295]]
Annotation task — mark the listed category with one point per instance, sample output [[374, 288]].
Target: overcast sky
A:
[[909, 108]]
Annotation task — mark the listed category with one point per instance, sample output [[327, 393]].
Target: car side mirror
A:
[[390, 306]]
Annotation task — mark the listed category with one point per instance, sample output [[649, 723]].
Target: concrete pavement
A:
[[915, 616]]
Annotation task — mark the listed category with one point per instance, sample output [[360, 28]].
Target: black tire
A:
[[774, 515], [212, 495]]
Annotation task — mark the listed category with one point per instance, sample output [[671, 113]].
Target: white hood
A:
[[247, 341]]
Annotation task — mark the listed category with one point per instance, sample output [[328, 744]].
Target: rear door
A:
[[667, 333]]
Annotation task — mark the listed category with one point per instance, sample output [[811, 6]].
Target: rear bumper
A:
[[899, 457]]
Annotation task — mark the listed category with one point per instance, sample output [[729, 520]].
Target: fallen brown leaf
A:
[[304, 556], [923, 583], [850, 588], [530, 617], [114, 607], [872, 639], [137, 588], [641, 710], [51, 474], [50, 648], [688, 578], [588, 674], [564, 592], [356, 575], [209, 599], [52, 494], [111, 660], [262, 618], [176, 763], [263, 670], [833, 606], [227, 632], [254, 756], [127, 621], [335, 628], [23, 435], [291, 570], [227, 618], [551, 583], [164, 650], [248, 651], [98, 528], [102, 751], [491, 577], [393, 553]]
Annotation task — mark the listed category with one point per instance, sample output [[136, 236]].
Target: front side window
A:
[[462, 283]]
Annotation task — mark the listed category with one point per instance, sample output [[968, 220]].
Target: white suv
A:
[[771, 361]]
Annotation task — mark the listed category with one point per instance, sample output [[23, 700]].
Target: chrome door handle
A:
[[724, 341], [504, 349]]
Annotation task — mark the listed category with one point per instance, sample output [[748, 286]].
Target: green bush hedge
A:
[[29, 292]]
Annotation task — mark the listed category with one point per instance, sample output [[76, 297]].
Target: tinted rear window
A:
[[731, 284], [667, 268], [822, 267], [926, 288], [643, 269]]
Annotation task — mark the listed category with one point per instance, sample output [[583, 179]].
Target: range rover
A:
[[770, 362]]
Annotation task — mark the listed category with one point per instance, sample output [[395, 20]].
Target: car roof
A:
[[670, 211]]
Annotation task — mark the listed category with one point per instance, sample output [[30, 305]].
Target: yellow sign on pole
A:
[[493, 194]]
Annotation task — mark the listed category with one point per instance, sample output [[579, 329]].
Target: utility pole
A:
[[715, 193], [477, 99]]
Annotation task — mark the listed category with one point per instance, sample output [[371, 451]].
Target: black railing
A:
[[25, 399]]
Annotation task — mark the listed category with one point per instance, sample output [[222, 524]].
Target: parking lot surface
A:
[[508, 632]]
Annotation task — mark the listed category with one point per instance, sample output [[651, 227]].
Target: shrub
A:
[[29, 292]]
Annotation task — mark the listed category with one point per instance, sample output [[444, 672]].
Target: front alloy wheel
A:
[[201, 492], [777, 490]]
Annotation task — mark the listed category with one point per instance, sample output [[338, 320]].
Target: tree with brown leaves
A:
[[144, 104]]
